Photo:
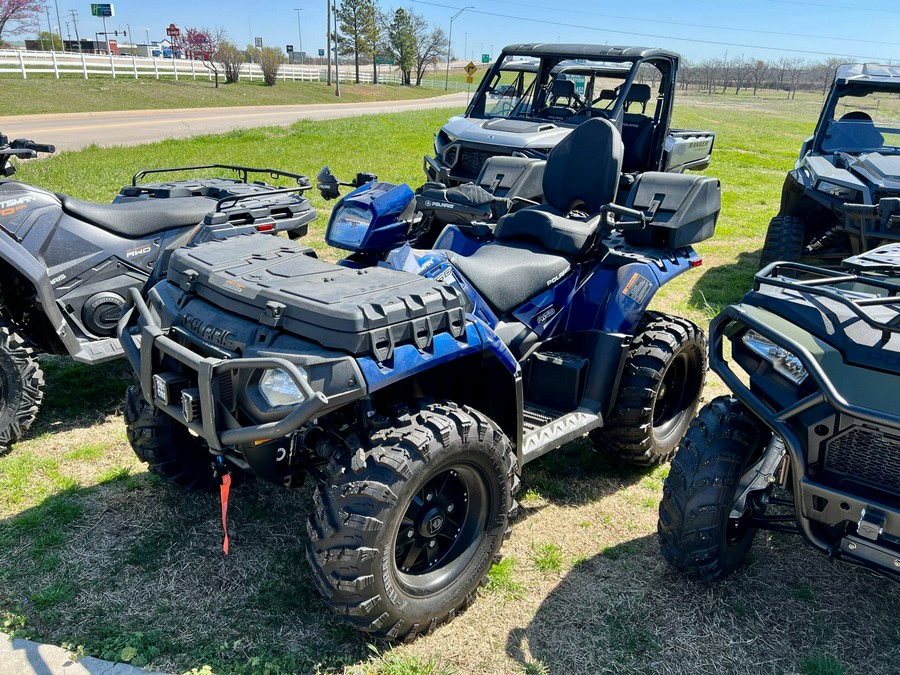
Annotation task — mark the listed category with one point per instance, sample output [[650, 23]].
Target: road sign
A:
[[384, 60], [321, 52], [469, 79], [173, 30], [258, 42], [99, 9], [290, 49], [471, 69], [485, 58]]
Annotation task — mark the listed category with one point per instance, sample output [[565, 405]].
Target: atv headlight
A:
[[349, 225], [278, 389], [784, 362], [839, 191]]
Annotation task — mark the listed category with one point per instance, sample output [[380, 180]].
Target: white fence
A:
[[68, 64]]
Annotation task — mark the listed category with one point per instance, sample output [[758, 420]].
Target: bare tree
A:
[[708, 72], [758, 72], [269, 60], [742, 70], [231, 58], [824, 72], [19, 16], [430, 44], [791, 72], [202, 44]]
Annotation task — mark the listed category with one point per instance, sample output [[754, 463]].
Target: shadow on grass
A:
[[77, 395], [725, 284], [626, 610]]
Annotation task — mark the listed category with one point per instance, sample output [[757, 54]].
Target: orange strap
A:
[[224, 489]]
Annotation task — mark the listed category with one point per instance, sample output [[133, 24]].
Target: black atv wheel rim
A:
[[440, 529], [675, 395]]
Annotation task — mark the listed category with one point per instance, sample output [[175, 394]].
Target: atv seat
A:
[[582, 174], [564, 100], [534, 244], [140, 218]]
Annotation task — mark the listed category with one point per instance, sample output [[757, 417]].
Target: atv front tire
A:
[[404, 532], [170, 451], [659, 391], [784, 240], [696, 533], [21, 387]]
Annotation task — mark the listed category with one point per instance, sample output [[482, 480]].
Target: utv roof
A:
[[578, 50], [863, 73]]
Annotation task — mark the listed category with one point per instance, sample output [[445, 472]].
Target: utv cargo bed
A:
[[281, 284]]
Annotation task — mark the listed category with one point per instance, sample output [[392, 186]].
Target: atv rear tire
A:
[[171, 452], [404, 533], [784, 240], [659, 391], [696, 533], [21, 387]]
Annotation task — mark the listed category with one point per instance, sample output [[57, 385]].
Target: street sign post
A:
[[258, 42], [471, 69], [102, 9], [485, 58], [321, 52]]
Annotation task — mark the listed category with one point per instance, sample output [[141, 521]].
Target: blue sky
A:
[[768, 29]]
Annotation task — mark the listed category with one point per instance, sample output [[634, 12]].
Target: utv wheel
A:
[[658, 394], [21, 387], [406, 531], [784, 240], [170, 451], [696, 533]]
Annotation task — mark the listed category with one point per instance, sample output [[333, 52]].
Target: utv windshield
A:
[[864, 120], [555, 91]]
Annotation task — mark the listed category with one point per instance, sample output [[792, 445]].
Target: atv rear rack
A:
[[242, 171]]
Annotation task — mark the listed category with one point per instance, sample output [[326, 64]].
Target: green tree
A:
[[430, 44], [231, 58], [49, 41], [269, 60], [358, 30], [400, 42]]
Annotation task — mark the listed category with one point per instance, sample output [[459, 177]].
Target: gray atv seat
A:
[[508, 275], [140, 218]]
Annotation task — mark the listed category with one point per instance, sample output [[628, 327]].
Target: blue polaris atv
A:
[[413, 384]]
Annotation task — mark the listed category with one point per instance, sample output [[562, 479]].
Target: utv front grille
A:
[[865, 455], [470, 163]]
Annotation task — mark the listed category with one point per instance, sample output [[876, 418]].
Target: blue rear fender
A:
[[614, 299]]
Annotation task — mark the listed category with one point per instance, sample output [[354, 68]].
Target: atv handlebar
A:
[[27, 144]]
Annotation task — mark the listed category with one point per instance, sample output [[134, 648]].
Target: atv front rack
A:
[[196, 407]]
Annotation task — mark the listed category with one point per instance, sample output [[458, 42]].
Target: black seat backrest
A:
[[638, 93], [583, 169], [563, 89], [637, 134]]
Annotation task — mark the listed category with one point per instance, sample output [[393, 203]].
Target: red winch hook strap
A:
[[224, 489]]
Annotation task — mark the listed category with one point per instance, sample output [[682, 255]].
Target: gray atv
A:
[[843, 195], [67, 265], [808, 442]]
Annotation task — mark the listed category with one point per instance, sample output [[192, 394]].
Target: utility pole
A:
[[449, 40], [59, 25], [74, 16], [337, 66], [299, 34], [328, 42]]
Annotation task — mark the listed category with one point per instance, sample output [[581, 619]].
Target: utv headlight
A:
[[784, 362], [278, 389], [350, 225], [838, 191]]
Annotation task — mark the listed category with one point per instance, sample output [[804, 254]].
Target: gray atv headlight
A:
[[784, 362], [278, 389], [839, 191]]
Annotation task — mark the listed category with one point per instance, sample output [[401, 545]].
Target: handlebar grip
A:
[[28, 144]]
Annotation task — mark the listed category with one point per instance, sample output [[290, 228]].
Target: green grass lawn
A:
[[98, 555], [46, 95]]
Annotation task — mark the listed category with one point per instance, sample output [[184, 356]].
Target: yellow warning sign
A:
[[471, 69], [469, 79]]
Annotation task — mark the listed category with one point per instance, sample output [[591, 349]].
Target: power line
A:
[[696, 25], [820, 5], [561, 24]]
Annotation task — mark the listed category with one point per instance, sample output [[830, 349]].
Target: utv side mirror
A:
[[327, 184]]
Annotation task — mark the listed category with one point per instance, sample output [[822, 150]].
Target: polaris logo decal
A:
[[558, 276], [55, 280], [440, 205], [140, 250], [444, 276], [546, 315], [208, 332], [11, 206]]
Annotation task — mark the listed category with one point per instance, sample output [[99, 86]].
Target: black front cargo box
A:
[[686, 209], [280, 283]]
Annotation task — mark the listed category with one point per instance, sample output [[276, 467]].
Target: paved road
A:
[[72, 131], [23, 657]]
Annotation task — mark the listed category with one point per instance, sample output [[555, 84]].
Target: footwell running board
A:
[[558, 432]]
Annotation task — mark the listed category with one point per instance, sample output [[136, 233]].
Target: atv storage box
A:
[[686, 208], [366, 312]]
